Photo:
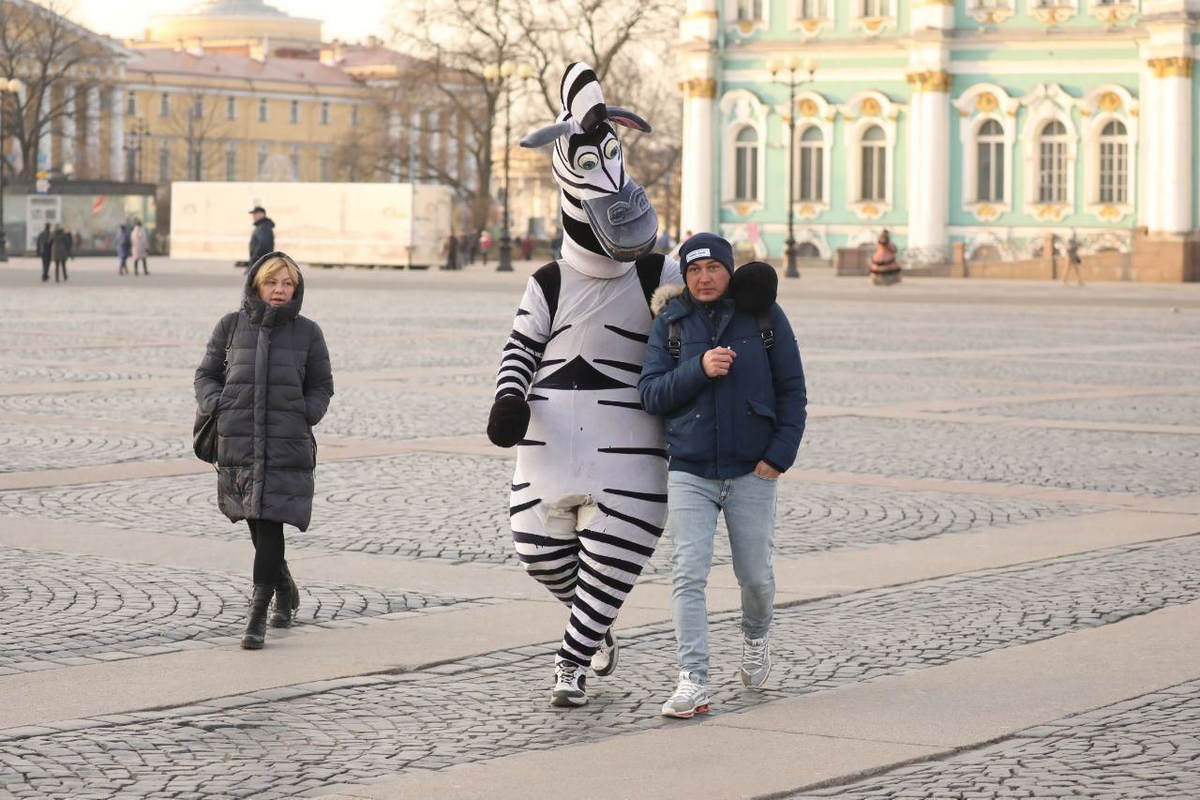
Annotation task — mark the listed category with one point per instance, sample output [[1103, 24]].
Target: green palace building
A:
[[970, 129]]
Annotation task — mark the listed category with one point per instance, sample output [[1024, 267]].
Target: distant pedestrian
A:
[[266, 378], [124, 249], [61, 250], [262, 240], [884, 269], [465, 248], [556, 245], [723, 367], [450, 250], [44, 241], [140, 246], [526, 247], [485, 245], [1073, 261]]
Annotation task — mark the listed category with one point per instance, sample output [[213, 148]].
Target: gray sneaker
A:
[[690, 698], [604, 660], [756, 661], [570, 685]]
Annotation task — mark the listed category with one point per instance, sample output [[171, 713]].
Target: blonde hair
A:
[[273, 265]]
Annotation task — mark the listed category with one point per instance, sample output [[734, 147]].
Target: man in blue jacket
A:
[[723, 367]]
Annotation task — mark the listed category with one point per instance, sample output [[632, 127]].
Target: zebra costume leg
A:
[[588, 552]]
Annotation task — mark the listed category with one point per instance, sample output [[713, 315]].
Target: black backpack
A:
[[764, 330]]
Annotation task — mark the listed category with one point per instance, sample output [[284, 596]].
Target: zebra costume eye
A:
[[587, 161], [611, 148]]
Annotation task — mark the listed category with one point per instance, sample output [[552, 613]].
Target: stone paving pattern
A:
[[494, 705], [414, 358], [429, 506], [59, 610], [1147, 747]]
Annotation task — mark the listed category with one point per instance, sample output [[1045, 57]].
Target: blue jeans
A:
[[693, 504]]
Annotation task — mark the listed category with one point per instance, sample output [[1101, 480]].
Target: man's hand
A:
[[765, 470], [716, 362]]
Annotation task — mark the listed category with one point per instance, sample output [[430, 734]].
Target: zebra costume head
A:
[[603, 210]]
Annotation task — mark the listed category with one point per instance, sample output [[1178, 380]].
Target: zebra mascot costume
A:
[[589, 494]]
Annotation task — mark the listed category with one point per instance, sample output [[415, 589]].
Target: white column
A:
[[117, 136], [1173, 119], [68, 128], [696, 211], [929, 160], [1149, 166], [931, 14], [92, 132], [393, 146], [45, 139]]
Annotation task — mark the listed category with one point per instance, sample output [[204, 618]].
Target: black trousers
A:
[[268, 551], [60, 265], [45, 268], [145, 266]]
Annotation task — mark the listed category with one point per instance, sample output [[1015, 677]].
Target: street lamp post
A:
[[133, 150], [13, 86], [501, 75], [792, 67]]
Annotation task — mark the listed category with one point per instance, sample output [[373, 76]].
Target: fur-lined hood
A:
[[754, 288], [663, 295]]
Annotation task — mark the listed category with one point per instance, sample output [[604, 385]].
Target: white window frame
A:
[[294, 112], [991, 12], [811, 25], [326, 114], [1045, 103], [164, 105], [746, 27], [813, 111], [817, 180], [741, 108], [1053, 170], [131, 103], [974, 109], [865, 18], [231, 162], [1114, 12], [862, 111], [750, 175], [996, 145], [230, 108], [874, 173], [262, 157], [1117, 162], [1052, 12], [1103, 104]]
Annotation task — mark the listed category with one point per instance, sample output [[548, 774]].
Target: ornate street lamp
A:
[[13, 86], [501, 76], [793, 68]]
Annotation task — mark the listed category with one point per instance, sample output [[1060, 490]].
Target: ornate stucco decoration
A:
[[977, 106], [1100, 107]]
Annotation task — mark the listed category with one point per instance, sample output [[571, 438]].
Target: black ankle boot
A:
[[256, 626], [287, 600]]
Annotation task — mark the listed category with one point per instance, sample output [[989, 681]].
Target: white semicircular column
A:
[[928, 170]]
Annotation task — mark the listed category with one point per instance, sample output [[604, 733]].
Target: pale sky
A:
[[349, 20]]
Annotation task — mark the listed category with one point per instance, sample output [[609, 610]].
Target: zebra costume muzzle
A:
[[590, 169]]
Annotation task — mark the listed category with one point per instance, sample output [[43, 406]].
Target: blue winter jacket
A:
[[722, 427]]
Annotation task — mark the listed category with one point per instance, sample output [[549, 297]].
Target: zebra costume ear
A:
[[546, 135], [628, 119]]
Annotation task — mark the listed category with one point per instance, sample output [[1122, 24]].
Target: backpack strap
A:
[[229, 340], [649, 271], [673, 339], [765, 330], [549, 278]]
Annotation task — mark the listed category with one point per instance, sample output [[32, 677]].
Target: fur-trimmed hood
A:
[[663, 295], [754, 288]]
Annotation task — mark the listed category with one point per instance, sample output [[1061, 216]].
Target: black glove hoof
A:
[[755, 286], [508, 421]]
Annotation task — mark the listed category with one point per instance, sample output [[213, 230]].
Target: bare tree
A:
[[198, 119], [49, 53]]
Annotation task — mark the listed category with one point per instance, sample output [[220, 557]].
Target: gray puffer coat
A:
[[277, 387]]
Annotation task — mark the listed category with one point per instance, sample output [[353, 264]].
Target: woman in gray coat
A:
[[266, 377]]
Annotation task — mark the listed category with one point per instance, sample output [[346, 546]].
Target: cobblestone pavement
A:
[[430, 506], [59, 610], [1142, 464], [1163, 409], [1146, 747], [495, 705], [28, 447]]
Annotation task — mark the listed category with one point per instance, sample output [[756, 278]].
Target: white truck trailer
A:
[[325, 224]]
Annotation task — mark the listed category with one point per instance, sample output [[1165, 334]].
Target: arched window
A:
[[749, 10], [810, 172], [873, 185], [812, 9], [745, 162], [1052, 163], [1114, 163], [875, 8], [989, 163]]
